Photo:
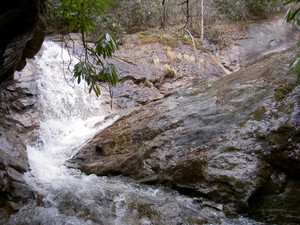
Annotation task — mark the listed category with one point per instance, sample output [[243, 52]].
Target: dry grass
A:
[[158, 39], [220, 33], [187, 40], [224, 34]]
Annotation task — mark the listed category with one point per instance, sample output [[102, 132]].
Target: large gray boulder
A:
[[21, 37], [224, 139], [19, 115]]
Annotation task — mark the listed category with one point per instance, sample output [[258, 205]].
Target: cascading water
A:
[[66, 196]]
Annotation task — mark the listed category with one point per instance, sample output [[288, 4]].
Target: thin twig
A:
[[187, 13], [193, 40], [195, 49], [63, 61]]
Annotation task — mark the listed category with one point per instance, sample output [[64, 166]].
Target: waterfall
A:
[[69, 116], [67, 196]]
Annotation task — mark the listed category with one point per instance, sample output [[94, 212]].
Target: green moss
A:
[[185, 38], [285, 201], [189, 172], [259, 113], [276, 202], [281, 92], [281, 135], [144, 33], [170, 73], [282, 108]]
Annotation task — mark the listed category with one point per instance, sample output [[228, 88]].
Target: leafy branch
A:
[[92, 67], [96, 70], [293, 15]]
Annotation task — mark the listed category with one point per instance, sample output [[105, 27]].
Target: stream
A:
[[66, 196]]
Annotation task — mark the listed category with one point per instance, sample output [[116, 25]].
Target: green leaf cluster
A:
[[92, 67], [293, 14], [106, 46], [93, 72], [85, 71], [82, 13], [295, 65]]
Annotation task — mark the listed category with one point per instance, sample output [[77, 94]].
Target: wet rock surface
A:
[[149, 69], [152, 66], [18, 122], [258, 40], [21, 38], [22, 34], [224, 139], [228, 139]]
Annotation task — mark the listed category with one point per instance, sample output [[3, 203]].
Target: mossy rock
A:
[[190, 172], [259, 113], [256, 115], [281, 136], [281, 92], [278, 207]]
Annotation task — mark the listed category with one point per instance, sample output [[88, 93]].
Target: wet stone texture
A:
[[229, 140], [260, 39], [22, 35], [18, 121]]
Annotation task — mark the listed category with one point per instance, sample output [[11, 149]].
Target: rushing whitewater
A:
[[69, 115], [66, 196]]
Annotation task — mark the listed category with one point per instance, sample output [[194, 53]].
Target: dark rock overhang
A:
[[21, 34]]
